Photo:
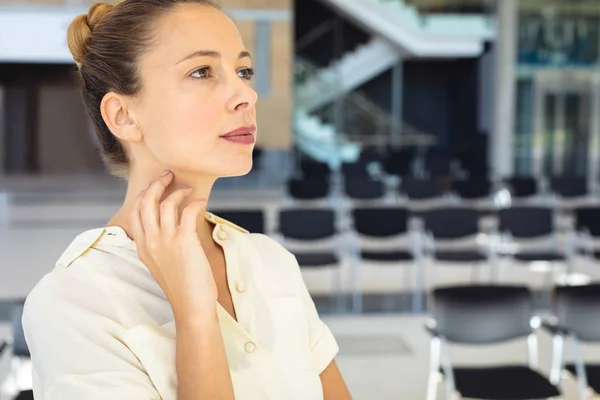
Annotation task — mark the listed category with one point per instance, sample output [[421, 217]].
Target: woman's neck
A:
[[202, 187]]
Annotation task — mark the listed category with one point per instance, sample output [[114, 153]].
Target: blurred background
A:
[[433, 164]]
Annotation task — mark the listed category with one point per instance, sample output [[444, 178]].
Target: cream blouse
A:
[[99, 327]]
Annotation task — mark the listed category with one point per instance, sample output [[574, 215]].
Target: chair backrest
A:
[[526, 222], [25, 395], [355, 169], [522, 186], [380, 222], [420, 189], [308, 189], [578, 309], [569, 186], [438, 163], [451, 223], [307, 224], [398, 163], [363, 188], [588, 218], [482, 314], [472, 188], [20, 348], [314, 169], [251, 220]]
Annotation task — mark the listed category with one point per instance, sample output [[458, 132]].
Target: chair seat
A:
[[595, 253], [503, 383], [460, 256], [315, 260], [386, 255], [539, 256], [25, 395], [592, 372]]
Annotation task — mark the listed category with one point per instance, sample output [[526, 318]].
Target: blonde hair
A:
[[106, 44]]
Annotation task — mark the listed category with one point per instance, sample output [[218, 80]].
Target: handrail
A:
[[405, 133], [314, 34]]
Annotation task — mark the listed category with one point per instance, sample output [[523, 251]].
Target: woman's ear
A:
[[118, 118]]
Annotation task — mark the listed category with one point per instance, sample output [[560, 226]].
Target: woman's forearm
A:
[[202, 368]]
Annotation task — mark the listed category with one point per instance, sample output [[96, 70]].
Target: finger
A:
[[149, 206], [169, 211], [189, 217]]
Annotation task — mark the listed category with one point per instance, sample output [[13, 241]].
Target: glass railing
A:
[[426, 7], [453, 6], [355, 117]]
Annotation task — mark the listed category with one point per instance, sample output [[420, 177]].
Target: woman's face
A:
[[196, 89]]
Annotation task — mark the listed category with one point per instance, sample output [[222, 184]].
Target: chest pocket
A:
[[292, 336], [155, 348]]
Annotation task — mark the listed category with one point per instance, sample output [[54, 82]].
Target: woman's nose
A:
[[243, 99]]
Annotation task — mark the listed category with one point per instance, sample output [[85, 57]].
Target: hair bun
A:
[[81, 28]]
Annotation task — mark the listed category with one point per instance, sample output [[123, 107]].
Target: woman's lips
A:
[[240, 139], [243, 135]]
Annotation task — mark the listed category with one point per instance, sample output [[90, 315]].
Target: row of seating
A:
[[349, 239], [368, 188], [484, 315]]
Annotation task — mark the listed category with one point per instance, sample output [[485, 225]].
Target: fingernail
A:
[[167, 172]]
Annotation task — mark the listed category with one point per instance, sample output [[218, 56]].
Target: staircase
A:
[[351, 71], [322, 142], [362, 123], [415, 34]]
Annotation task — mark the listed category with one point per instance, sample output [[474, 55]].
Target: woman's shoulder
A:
[[92, 261], [269, 248]]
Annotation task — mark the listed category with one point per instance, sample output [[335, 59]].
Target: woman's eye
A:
[[201, 73], [246, 73]]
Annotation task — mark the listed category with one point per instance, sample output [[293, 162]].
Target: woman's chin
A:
[[237, 170]]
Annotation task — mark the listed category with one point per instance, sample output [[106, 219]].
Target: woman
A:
[[167, 301]]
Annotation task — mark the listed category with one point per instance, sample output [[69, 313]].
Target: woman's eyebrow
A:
[[213, 54]]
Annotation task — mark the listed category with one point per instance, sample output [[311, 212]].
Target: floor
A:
[[384, 351]]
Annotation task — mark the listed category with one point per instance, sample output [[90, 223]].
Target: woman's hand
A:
[[168, 245]]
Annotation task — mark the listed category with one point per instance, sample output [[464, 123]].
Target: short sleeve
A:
[[323, 344], [73, 335]]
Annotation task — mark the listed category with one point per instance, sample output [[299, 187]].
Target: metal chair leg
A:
[[417, 300], [580, 369], [558, 353], [357, 288], [434, 368]]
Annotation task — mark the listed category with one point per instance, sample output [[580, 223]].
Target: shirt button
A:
[[222, 235], [249, 347], [240, 287]]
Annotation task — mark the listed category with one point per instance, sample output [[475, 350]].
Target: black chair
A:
[[569, 187], [438, 163], [314, 170], [451, 237], [587, 224], [384, 239], [485, 315], [357, 169], [420, 189], [399, 163], [312, 236], [363, 188], [576, 316], [308, 189], [528, 236], [251, 220], [521, 187], [472, 189], [25, 395]]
